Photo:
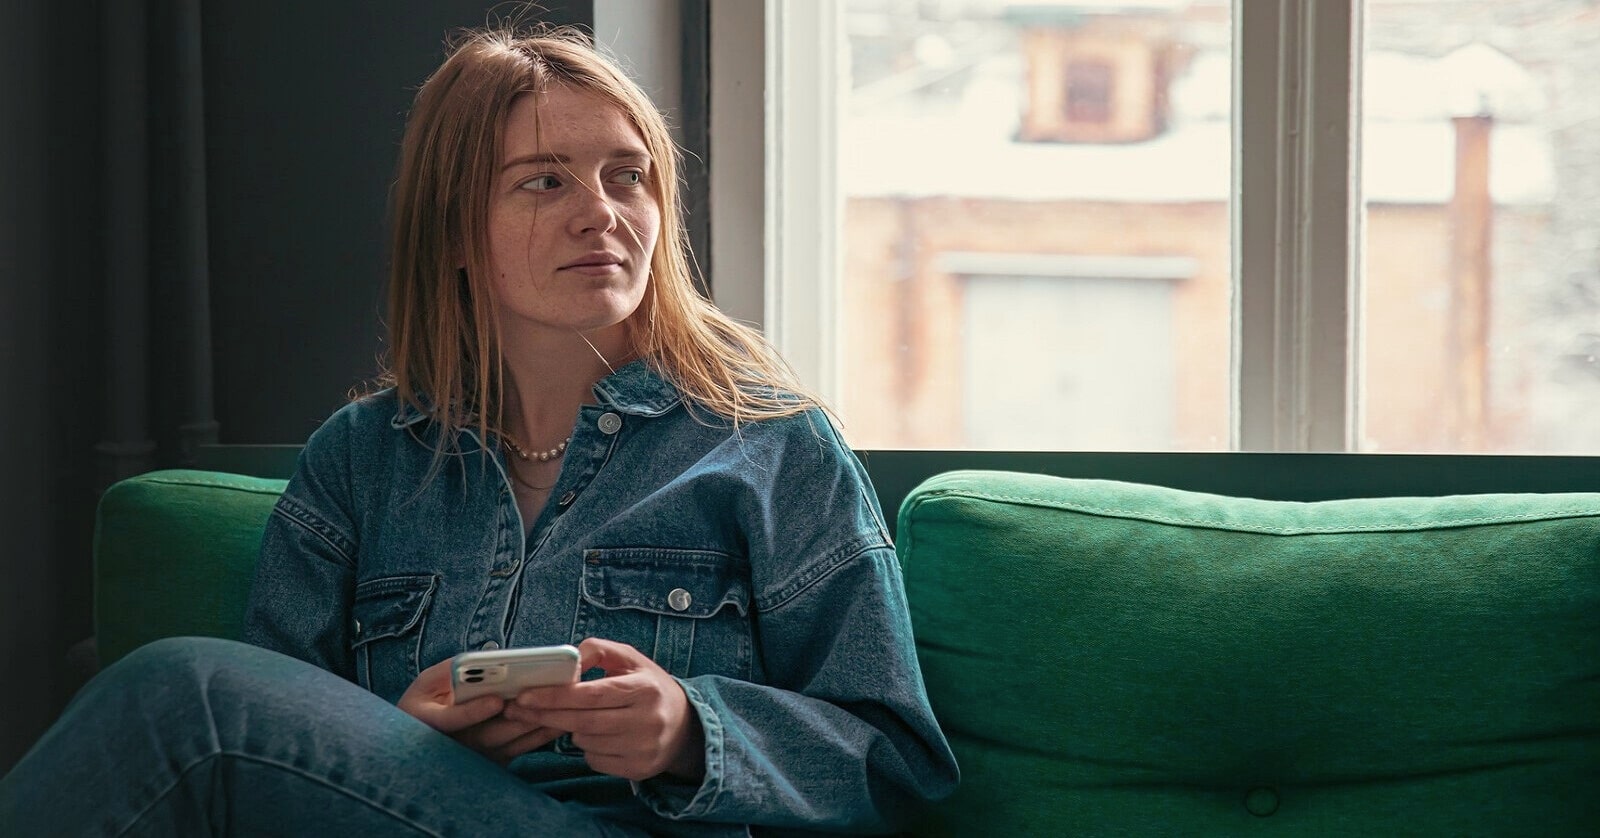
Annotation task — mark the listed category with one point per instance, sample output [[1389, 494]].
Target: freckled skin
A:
[[548, 218]]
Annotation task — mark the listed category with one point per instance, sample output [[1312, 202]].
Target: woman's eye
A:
[[631, 177], [542, 183]]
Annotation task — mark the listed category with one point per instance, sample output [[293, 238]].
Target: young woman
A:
[[576, 448]]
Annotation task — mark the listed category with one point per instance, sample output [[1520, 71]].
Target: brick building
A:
[[1036, 246]]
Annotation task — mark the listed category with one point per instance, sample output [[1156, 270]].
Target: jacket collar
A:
[[636, 389]]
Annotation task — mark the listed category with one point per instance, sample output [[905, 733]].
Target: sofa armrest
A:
[[174, 553]]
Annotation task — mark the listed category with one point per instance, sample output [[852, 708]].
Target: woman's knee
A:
[[175, 659], [188, 676], [237, 684]]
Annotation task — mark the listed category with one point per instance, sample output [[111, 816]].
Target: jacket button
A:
[[567, 498], [610, 423], [489, 645], [679, 599], [1261, 802]]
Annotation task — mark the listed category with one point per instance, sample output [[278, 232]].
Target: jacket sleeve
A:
[[839, 735], [300, 599]]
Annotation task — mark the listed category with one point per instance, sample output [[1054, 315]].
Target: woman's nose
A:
[[595, 213]]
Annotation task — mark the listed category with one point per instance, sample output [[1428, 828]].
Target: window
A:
[[1013, 225], [1480, 172], [1088, 91]]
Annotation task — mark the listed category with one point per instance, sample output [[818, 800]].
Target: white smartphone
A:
[[507, 672]]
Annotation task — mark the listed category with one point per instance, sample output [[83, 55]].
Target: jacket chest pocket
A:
[[687, 609], [389, 614]]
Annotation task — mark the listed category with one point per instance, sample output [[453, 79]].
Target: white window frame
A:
[[787, 221], [1295, 209]]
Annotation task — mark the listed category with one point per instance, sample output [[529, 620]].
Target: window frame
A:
[[1295, 224], [1295, 213]]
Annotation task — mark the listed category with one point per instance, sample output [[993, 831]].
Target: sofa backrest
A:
[[1119, 659]]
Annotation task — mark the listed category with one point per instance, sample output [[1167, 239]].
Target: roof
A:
[[967, 149]]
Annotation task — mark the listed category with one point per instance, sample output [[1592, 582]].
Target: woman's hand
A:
[[478, 723], [635, 723]]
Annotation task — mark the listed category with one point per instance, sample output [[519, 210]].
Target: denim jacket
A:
[[751, 564]]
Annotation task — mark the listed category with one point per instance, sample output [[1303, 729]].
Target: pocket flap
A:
[[675, 583], [390, 606]]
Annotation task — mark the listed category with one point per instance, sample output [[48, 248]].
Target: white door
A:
[[1068, 363]]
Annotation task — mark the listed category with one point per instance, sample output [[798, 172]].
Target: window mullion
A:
[[803, 200], [1292, 225]]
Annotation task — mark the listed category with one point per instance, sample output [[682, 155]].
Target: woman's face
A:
[[572, 219]]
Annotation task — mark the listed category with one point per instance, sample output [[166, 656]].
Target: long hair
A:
[[444, 350]]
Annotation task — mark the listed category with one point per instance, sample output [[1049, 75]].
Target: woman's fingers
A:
[[430, 700], [615, 658], [637, 719], [450, 718], [532, 740], [480, 724], [635, 723], [502, 739], [616, 721], [432, 684]]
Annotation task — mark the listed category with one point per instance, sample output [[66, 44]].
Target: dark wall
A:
[[304, 108], [304, 102], [51, 355], [23, 422]]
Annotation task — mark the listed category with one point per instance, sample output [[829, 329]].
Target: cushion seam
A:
[[1144, 515], [214, 484]]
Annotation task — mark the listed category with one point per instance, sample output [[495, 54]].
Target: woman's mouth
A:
[[594, 264]]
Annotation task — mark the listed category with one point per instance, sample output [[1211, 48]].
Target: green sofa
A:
[[1121, 658]]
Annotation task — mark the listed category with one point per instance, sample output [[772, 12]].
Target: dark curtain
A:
[[192, 247]]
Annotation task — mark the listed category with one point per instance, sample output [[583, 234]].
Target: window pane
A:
[[1035, 225], [1480, 170]]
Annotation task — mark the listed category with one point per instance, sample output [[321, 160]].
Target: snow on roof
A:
[[968, 150], [1402, 163], [924, 157], [1480, 78], [1205, 90], [1396, 86], [1475, 78], [1414, 162]]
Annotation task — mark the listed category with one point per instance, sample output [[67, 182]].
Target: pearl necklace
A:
[[541, 456]]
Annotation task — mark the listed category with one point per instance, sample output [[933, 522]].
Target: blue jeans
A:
[[196, 736]]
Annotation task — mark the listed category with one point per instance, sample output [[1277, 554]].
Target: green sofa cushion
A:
[[174, 555], [1118, 659]]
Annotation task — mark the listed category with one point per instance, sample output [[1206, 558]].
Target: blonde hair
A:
[[443, 340]]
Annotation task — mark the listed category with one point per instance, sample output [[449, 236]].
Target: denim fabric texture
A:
[[752, 564], [192, 736]]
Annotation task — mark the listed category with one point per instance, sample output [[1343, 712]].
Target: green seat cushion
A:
[[174, 555], [1119, 659]]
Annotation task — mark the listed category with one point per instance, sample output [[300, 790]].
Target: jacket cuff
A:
[[681, 801]]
